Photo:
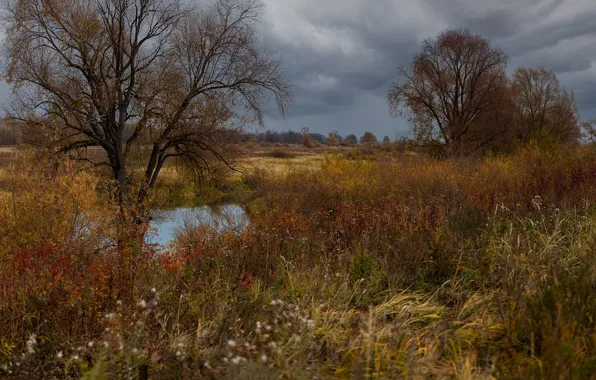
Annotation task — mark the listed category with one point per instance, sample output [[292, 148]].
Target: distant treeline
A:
[[8, 135], [293, 137]]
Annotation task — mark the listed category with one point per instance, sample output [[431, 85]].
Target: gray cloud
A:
[[342, 54]]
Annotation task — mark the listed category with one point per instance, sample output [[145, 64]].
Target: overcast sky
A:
[[341, 55]]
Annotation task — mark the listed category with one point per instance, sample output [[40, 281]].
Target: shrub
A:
[[278, 153]]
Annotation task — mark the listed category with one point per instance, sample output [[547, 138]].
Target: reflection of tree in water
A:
[[167, 225]]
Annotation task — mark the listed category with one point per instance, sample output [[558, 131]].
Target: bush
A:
[[278, 153]]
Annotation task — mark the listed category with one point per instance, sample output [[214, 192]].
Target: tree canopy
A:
[[458, 98], [543, 107], [455, 82], [86, 72]]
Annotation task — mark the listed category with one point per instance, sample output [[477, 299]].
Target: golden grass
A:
[[282, 166], [8, 149], [256, 159], [362, 266]]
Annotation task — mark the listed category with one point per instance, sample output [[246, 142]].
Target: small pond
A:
[[168, 222]]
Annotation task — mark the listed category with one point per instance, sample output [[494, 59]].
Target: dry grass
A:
[[282, 166], [375, 266], [6, 155], [7, 149]]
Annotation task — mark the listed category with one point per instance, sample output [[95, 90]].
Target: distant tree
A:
[[368, 138], [542, 107], [87, 71], [337, 136], [289, 137], [386, 140], [454, 84], [332, 140], [292, 137], [351, 139], [271, 136], [589, 131], [318, 137], [306, 138]]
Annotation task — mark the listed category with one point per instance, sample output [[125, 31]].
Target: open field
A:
[[376, 266], [178, 189], [291, 159], [6, 154]]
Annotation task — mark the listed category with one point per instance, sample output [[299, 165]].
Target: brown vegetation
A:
[[372, 262], [174, 77], [390, 266]]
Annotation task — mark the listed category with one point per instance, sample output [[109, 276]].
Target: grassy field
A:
[[276, 161], [356, 264], [177, 188], [6, 154]]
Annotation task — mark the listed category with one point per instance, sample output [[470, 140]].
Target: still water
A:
[[167, 223]]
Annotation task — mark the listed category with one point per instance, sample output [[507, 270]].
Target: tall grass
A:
[[376, 266]]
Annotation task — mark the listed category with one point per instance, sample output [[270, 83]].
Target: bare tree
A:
[[542, 107], [149, 76], [457, 80], [307, 140], [589, 131]]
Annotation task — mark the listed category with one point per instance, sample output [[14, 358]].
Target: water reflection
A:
[[167, 223]]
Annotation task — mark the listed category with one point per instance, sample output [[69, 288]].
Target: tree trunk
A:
[[130, 236]]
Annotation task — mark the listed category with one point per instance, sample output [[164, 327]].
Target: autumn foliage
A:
[[481, 256]]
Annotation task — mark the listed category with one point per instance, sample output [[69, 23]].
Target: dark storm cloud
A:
[[341, 55]]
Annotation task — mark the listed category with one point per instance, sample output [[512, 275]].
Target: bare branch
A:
[[450, 89], [129, 75]]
